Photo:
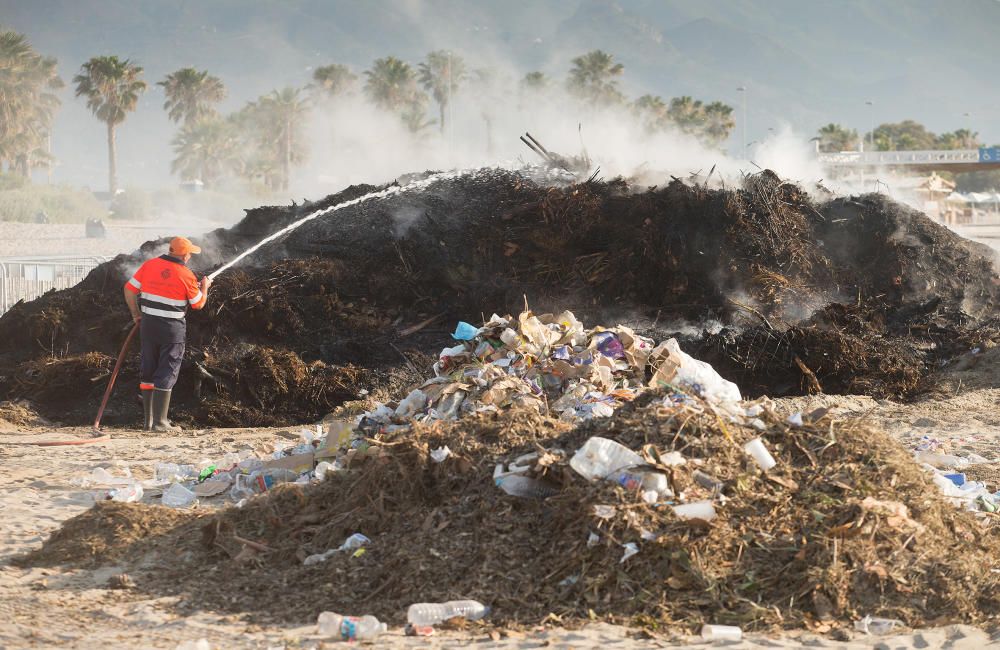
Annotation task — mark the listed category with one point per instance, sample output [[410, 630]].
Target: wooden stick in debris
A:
[[413, 329], [538, 144], [532, 147]]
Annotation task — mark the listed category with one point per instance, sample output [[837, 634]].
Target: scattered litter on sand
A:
[[673, 519]]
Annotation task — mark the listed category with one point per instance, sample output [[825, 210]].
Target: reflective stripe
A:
[[143, 386], [196, 299], [160, 312], [173, 302], [135, 283]]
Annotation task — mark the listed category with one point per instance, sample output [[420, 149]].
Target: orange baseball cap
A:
[[183, 246]]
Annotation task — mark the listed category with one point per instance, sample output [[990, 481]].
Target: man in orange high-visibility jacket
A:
[[158, 296]]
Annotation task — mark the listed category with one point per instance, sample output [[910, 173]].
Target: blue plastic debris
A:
[[957, 479], [465, 332]]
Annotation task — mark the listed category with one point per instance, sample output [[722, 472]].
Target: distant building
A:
[[931, 193]]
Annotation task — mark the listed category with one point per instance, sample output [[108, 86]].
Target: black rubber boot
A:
[[147, 410], [161, 405]]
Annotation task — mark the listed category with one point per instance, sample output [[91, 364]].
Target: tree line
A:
[[262, 141], [907, 135]]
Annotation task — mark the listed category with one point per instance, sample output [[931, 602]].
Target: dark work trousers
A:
[[162, 350]]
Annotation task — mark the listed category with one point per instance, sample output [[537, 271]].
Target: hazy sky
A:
[[804, 63]]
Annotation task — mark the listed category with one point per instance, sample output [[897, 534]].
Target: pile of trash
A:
[[681, 507], [551, 365]]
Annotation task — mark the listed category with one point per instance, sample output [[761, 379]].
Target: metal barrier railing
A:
[[27, 278]]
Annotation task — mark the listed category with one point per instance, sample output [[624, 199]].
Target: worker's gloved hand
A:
[[206, 282]]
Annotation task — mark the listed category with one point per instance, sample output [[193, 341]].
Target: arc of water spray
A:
[[397, 189]]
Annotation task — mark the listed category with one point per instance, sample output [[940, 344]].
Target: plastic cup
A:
[[760, 454]]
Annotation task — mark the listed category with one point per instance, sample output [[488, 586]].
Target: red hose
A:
[[114, 375]]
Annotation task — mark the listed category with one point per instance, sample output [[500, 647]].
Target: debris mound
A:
[[763, 259], [103, 534], [819, 540]]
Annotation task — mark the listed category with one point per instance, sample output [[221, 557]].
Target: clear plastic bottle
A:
[[600, 457], [174, 472], [643, 481], [349, 628], [426, 614], [259, 481]]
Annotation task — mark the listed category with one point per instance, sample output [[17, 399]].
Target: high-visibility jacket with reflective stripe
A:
[[166, 288]]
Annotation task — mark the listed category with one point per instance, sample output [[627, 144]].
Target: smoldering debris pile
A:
[[669, 512], [856, 294]]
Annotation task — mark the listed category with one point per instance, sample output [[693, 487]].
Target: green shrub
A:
[[60, 203]]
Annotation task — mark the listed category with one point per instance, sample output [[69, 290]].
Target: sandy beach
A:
[[45, 607]]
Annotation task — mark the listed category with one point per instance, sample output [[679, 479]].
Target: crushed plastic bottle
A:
[[178, 496], [101, 476], [877, 626], [426, 614], [349, 628], [941, 461], [643, 481], [259, 481], [126, 494], [599, 458], [173, 472]]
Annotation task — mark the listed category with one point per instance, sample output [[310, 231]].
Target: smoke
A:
[[351, 142]]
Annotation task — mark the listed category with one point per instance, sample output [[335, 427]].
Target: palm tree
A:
[[719, 123], [687, 114], [112, 87], [535, 82], [960, 139], [593, 79], [207, 150], [26, 105], [440, 74], [392, 85], [652, 110], [191, 95], [278, 116], [834, 137], [332, 80]]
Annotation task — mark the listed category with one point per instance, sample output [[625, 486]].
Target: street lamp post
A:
[[871, 122], [743, 89]]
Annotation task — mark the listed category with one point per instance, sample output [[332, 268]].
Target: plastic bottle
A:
[[174, 472], [425, 614], [643, 481], [127, 493], [178, 496], [600, 457], [877, 626], [942, 461], [349, 628], [261, 480]]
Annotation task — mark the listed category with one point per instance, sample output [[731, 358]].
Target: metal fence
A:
[[27, 278]]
